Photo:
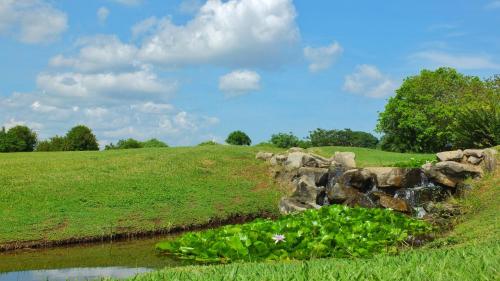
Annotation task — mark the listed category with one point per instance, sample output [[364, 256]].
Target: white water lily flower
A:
[[278, 238]]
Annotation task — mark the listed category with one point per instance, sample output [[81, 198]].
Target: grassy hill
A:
[[77, 195], [469, 252]]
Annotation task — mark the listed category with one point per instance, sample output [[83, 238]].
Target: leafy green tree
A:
[[285, 140], [238, 138], [346, 137], [421, 116], [17, 139], [153, 143], [56, 143], [81, 138], [6, 141], [207, 143]]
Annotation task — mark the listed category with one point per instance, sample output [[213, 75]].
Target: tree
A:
[[421, 116], [81, 138], [56, 143], [346, 137], [285, 140], [17, 139], [238, 138], [154, 143]]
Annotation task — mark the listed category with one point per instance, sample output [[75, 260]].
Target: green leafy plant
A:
[[205, 143], [334, 231], [238, 138], [412, 163]]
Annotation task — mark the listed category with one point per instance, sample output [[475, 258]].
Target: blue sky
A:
[[187, 71]]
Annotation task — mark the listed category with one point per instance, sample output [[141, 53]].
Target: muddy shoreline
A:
[[121, 236]]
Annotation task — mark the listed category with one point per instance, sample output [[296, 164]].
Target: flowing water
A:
[[84, 262]]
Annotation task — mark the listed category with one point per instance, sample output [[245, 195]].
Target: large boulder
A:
[[347, 159], [317, 175], [388, 177], [291, 205], [478, 153], [361, 179], [278, 159], [474, 160], [264, 156], [338, 193], [307, 192], [388, 201], [450, 173], [419, 196], [490, 160], [455, 155], [295, 160]]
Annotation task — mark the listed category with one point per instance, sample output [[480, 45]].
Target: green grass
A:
[[51, 196], [469, 252], [366, 157]]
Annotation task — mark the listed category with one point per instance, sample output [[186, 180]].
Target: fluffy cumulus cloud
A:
[[322, 58], [234, 33], [31, 21], [369, 81], [239, 82], [102, 14], [460, 61]]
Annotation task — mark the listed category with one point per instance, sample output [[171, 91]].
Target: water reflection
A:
[[72, 274]]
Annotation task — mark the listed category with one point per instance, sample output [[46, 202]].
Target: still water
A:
[[84, 262]]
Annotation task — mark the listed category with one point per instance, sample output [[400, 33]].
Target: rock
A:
[[434, 175], [360, 179], [360, 200], [347, 159], [289, 205], [338, 194], [296, 149], [278, 159], [318, 175], [264, 156], [419, 196], [295, 160], [317, 161], [396, 204], [387, 177], [307, 192], [478, 153], [455, 155], [474, 160], [458, 170], [490, 160]]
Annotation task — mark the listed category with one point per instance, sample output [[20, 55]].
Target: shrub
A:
[[153, 143], [17, 139], [332, 231], [238, 138], [346, 137], [205, 143], [56, 143], [125, 144], [285, 140], [81, 138]]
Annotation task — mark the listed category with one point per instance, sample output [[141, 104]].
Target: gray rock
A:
[[459, 170], [278, 159], [361, 179], [295, 160], [318, 175], [474, 160], [289, 205], [338, 194], [264, 156], [306, 191], [490, 160], [347, 159], [387, 201], [361, 200], [479, 153], [388, 177], [455, 155]]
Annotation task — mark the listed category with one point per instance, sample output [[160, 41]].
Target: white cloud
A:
[[100, 53], [129, 2], [368, 81], [323, 57], [234, 32], [31, 21], [144, 26], [105, 87], [239, 82], [190, 6], [493, 5], [460, 61], [102, 14]]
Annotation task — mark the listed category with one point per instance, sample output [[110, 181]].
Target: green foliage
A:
[[334, 231], [81, 138], [285, 140], [17, 139], [56, 143], [421, 117], [238, 138], [346, 137], [154, 143], [412, 163], [205, 143]]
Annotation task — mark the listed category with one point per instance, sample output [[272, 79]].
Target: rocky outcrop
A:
[[317, 181]]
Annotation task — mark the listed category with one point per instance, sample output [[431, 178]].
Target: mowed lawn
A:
[[469, 252], [63, 195]]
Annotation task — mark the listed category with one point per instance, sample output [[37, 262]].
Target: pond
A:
[[83, 262]]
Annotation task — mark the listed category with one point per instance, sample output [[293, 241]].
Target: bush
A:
[[238, 138], [346, 137], [284, 140], [206, 143], [152, 143], [17, 139], [56, 143], [125, 144], [478, 128], [81, 138]]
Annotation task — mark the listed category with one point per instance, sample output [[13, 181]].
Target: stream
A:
[[84, 262]]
